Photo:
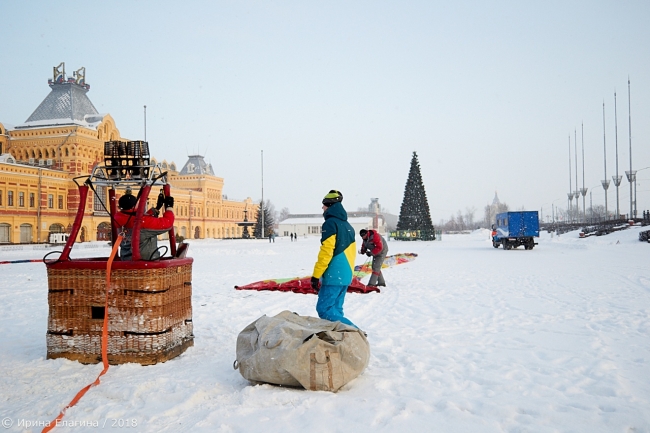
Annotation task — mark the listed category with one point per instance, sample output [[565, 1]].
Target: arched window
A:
[[5, 233], [104, 231], [57, 228], [25, 233]]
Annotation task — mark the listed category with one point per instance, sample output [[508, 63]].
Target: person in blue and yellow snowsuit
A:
[[335, 260]]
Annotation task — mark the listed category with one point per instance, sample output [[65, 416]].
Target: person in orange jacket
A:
[[150, 227]]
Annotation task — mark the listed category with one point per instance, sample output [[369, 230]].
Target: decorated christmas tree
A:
[[414, 215]]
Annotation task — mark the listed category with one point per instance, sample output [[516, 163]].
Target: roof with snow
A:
[[7, 158], [196, 165], [67, 103]]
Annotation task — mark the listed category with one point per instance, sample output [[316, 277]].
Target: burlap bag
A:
[[294, 350]]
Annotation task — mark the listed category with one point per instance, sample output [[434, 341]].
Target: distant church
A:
[[493, 209], [64, 139]]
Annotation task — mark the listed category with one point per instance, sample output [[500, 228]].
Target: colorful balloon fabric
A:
[[303, 284]]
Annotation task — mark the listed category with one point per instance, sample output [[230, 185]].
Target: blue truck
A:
[[513, 229]]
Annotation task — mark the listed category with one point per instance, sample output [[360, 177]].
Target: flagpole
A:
[[145, 123], [632, 175], [262, 204]]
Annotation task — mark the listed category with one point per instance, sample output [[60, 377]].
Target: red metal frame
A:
[[139, 214], [65, 262]]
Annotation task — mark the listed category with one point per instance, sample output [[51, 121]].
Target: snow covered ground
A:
[[465, 338]]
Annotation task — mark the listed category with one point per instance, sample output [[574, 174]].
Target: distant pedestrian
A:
[[374, 245], [291, 237], [335, 260], [295, 236]]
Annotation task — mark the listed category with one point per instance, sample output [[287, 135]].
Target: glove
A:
[[314, 284], [161, 201], [368, 253], [169, 201]]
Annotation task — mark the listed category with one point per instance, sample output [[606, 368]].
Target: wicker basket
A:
[[149, 310]]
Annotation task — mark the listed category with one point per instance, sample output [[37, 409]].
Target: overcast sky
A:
[[338, 94]]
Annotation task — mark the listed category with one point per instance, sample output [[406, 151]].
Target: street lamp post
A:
[[553, 212], [576, 193], [570, 193], [583, 190], [605, 182], [262, 206], [631, 174], [631, 177], [617, 178]]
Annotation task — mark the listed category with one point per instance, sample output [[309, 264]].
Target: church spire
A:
[[495, 201]]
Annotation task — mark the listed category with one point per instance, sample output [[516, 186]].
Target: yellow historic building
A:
[[64, 139]]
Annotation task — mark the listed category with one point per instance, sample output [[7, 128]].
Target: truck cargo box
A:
[[516, 228]]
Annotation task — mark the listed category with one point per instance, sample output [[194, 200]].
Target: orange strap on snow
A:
[[104, 342]]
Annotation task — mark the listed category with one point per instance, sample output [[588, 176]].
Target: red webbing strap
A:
[[76, 226], [81, 393], [113, 210], [172, 235]]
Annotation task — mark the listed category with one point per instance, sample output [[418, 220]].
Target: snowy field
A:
[[465, 338]]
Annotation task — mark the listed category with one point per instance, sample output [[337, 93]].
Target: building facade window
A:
[[0, 198], [31, 199], [5, 233], [50, 201], [21, 199], [60, 202], [99, 199], [10, 198]]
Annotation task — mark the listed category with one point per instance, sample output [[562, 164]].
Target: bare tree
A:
[[284, 214], [460, 221], [469, 217]]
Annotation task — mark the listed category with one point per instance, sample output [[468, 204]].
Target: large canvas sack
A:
[[294, 350]]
